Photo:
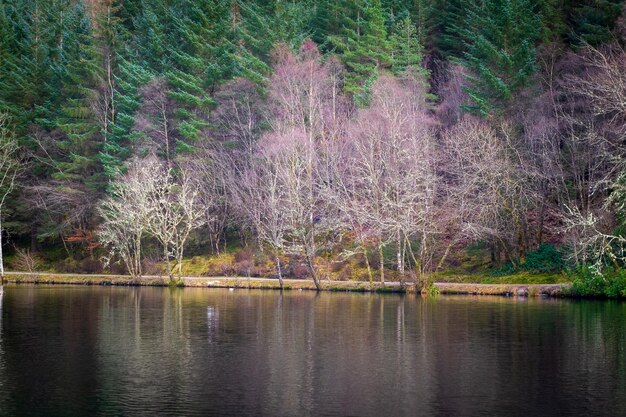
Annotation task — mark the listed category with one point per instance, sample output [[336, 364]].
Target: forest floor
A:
[[549, 289]]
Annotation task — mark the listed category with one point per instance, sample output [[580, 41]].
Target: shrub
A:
[[547, 258], [243, 267], [26, 261], [588, 283], [244, 255], [301, 271]]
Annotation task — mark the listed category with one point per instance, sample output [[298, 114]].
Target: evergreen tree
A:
[[553, 19], [365, 50], [249, 55], [499, 51], [405, 46], [332, 20], [153, 37], [78, 119], [422, 13], [187, 43], [188, 77], [447, 25], [119, 81], [30, 67], [594, 20]]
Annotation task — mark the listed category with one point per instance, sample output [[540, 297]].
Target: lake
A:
[[141, 351]]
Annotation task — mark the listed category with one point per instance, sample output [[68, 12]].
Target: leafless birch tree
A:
[[305, 110], [174, 212], [126, 213], [9, 168], [388, 181], [151, 199]]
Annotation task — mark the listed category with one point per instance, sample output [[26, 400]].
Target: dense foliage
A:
[[398, 132]]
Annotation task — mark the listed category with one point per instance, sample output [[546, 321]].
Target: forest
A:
[[346, 139]]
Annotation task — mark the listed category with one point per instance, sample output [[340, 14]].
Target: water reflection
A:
[[3, 373], [149, 351]]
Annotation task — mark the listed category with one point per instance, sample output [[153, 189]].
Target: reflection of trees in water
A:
[[550, 353], [3, 373], [300, 353], [304, 353], [342, 354], [212, 319], [145, 344], [596, 349]]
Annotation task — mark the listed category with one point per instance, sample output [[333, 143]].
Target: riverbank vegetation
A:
[[356, 140]]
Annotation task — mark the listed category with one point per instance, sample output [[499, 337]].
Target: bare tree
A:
[[593, 113], [238, 116], [218, 162], [126, 213], [151, 199], [260, 200], [174, 212], [9, 168], [592, 246], [494, 189], [210, 167], [306, 110], [25, 260], [388, 180]]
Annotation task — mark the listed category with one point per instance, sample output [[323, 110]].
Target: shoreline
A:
[[520, 290]]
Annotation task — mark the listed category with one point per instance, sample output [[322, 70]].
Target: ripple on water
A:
[[150, 351]]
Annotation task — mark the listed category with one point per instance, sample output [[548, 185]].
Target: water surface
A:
[[70, 351]]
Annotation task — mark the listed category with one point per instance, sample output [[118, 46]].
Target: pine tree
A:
[[29, 69], [365, 51], [117, 82], [85, 115], [246, 55], [187, 43], [553, 19], [119, 144], [447, 25], [406, 48], [594, 20], [152, 37], [422, 13], [499, 51], [324, 23]]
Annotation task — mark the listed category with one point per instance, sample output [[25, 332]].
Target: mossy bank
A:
[[554, 290]]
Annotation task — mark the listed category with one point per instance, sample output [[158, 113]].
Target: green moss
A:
[[515, 278], [176, 283]]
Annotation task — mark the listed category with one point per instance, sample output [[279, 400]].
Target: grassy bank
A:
[[290, 284], [211, 282], [523, 277], [240, 269]]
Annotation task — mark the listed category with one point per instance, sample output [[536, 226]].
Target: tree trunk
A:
[[168, 266], [280, 272], [1, 255], [33, 238], [541, 221], [369, 268], [444, 256], [138, 270], [382, 263], [313, 273], [400, 260]]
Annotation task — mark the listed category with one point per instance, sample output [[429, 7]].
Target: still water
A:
[[85, 351]]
